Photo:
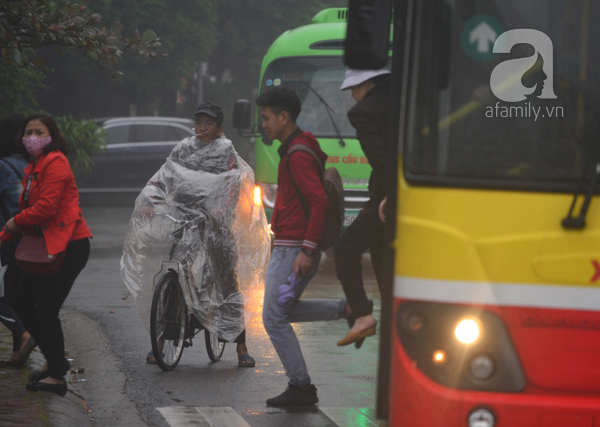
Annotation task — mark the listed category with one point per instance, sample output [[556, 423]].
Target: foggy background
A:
[[219, 43]]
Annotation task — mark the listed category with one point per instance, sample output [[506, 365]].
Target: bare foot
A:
[[242, 349], [50, 380], [24, 338], [363, 323]]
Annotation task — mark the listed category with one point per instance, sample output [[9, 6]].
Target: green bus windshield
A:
[[504, 93], [310, 76]]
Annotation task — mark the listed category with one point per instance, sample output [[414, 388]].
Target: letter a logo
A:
[[507, 78]]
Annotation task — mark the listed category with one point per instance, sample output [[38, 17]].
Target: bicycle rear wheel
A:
[[168, 322], [214, 347]]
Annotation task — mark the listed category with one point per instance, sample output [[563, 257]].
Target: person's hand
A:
[[382, 209], [12, 227], [302, 264]]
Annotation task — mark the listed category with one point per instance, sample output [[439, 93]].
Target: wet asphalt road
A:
[[121, 389]]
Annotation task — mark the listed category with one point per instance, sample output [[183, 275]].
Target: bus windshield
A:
[[324, 75], [510, 96]]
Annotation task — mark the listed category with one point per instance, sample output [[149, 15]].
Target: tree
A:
[[188, 34], [26, 26], [23, 84]]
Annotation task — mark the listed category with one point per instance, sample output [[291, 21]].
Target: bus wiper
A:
[[329, 111], [577, 223]]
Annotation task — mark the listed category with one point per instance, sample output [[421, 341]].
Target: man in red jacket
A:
[[297, 237]]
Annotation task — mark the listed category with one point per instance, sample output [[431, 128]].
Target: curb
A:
[[67, 411]]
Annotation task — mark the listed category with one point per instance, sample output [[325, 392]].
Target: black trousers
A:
[[38, 301], [366, 232], [12, 277]]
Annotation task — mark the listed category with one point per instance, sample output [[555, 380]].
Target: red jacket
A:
[[289, 222], [53, 203]]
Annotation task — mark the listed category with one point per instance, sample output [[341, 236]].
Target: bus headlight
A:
[[439, 357], [459, 346], [269, 193], [467, 331], [257, 195]]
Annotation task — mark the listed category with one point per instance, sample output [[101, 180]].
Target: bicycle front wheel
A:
[[168, 322], [214, 347]]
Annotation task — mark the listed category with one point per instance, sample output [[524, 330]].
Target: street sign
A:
[[478, 36]]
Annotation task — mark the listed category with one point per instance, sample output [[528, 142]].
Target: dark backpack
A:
[[332, 181]]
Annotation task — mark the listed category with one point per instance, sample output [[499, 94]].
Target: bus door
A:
[[497, 247]]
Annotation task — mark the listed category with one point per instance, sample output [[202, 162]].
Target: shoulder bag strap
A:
[[13, 167], [305, 148]]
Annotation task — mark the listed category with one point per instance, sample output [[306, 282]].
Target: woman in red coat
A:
[[50, 207]]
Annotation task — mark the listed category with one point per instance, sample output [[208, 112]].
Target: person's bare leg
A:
[[242, 350]]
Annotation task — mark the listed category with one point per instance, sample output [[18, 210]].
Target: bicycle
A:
[[171, 329]]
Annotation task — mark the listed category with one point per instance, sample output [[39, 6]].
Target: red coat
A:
[[289, 222], [53, 203]]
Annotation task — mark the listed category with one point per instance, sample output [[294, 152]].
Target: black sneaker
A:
[[295, 396]]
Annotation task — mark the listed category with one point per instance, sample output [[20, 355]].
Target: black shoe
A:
[[5, 364], [295, 396], [38, 375], [60, 389]]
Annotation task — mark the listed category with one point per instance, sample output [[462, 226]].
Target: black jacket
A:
[[370, 118]]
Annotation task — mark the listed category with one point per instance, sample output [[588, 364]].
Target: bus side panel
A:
[[417, 401]]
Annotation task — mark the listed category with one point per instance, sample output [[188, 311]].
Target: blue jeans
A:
[[277, 320]]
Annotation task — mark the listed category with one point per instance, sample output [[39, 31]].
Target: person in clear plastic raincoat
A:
[[222, 259]]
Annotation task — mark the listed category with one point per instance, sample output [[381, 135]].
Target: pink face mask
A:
[[35, 145]]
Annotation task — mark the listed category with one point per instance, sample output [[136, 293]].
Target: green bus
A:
[[309, 59]]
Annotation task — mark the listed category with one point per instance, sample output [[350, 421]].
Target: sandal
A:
[[150, 360], [246, 361], [24, 353]]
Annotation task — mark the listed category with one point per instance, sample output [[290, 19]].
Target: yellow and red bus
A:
[[494, 220]]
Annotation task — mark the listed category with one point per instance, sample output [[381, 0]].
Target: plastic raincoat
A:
[[221, 254]]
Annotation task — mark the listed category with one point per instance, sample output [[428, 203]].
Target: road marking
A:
[[202, 417], [351, 417], [178, 416]]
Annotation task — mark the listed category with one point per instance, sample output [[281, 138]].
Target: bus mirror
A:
[[368, 34], [242, 114]]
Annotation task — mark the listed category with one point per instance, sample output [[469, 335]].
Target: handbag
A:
[[32, 257]]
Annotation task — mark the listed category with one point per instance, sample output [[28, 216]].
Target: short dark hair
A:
[[58, 140], [281, 99], [10, 126]]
